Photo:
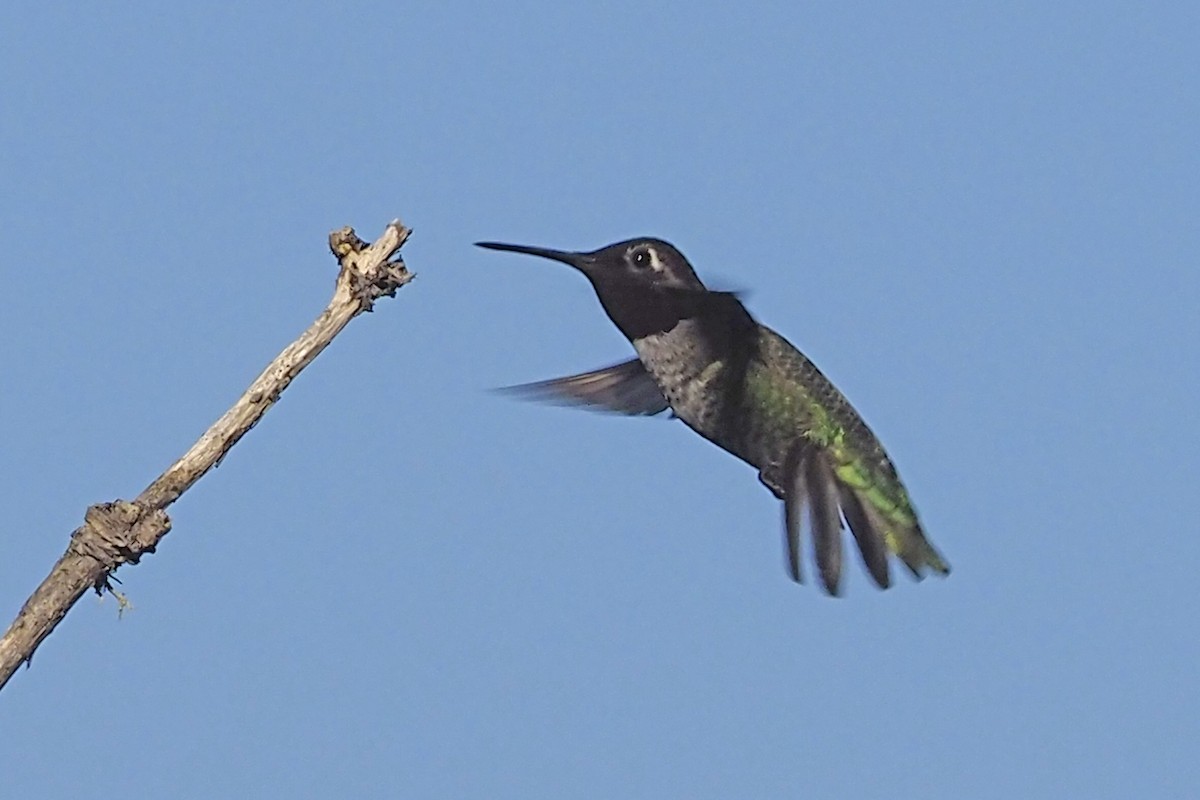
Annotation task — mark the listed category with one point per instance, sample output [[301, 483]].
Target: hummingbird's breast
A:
[[680, 362], [703, 377]]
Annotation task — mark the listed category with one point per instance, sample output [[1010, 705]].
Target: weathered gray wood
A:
[[121, 532]]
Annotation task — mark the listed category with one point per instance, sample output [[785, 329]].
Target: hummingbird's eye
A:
[[643, 258]]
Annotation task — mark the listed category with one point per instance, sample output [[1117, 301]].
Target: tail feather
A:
[[811, 484], [795, 497], [826, 523], [871, 540], [909, 544]]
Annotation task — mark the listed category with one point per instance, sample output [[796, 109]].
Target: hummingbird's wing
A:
[[624, 388]]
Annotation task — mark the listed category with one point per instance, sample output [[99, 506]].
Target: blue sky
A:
[[979, 220]]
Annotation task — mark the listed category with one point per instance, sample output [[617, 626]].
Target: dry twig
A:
[[123, 531]]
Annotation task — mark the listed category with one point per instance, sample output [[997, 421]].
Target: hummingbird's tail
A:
[[911, 546], [881, 522]]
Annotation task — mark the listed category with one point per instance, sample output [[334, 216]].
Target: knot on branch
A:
[[119, 533], [371, 271]]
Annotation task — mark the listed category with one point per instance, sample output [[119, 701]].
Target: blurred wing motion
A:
[[624, 388]]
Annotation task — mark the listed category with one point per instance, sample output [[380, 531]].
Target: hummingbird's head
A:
[[635, 263]]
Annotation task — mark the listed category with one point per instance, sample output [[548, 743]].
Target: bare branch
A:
[[121, 532]]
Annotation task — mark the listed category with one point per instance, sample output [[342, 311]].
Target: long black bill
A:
[[577, 260]]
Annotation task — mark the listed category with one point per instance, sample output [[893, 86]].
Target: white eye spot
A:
[[647, 258], [655, 263]]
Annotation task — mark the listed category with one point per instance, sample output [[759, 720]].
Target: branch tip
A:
[[121, 532]]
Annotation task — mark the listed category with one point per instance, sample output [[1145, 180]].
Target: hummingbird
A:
[[742, 386]]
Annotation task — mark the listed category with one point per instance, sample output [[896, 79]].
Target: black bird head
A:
[[645, 285], [631, 265]]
